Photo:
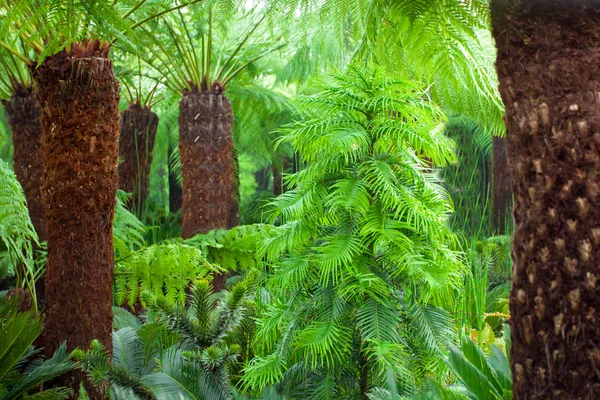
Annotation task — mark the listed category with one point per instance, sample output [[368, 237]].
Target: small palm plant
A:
[[21, 371], [364, 257], [180, 352]]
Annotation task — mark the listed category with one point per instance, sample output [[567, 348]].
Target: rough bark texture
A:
[[137, 133], [205, 148], [549, 65], [501, 185], [24, 120], [205, 144], [79, 95]]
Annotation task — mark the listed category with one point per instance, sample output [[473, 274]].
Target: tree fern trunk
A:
[[205, 148], [548, 65], [24, 120], [137, 133], [78, 95]]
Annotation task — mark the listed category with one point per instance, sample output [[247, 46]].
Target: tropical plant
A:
[[183, 352], [445, 42], [200, 59], [485, 377], [235, 249], [78, 97], [21, 372], [17, 234], [365, 255], [163, 270]]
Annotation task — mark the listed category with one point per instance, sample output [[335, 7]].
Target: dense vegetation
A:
[[298, 199]]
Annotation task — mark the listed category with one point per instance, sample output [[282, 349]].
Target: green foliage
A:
[[21, 372], [483, 297], [445, 42], [182, 352], [448, 43], [49, 26], [484, 377], [137, 351], [468, 181], [365, 255], [164, 271], [17, 234], [128, 231], [235, 249]]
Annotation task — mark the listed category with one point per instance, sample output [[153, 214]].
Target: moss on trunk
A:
[[79, 95], [548, 65]]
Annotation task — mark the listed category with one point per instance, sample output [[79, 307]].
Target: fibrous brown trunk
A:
[[137, 133], [501, 184], [79, 95], [548, 65], [24, 120], [205, 148], [205, 144]]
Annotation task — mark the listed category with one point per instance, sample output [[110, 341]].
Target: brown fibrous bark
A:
[[24, 120], [548, 65], [205, 148], [79, 95], [205, 144], [137, 133]]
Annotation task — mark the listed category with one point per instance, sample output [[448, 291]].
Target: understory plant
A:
[[188, 352], [17, 235], [22, 369], [364, 258]]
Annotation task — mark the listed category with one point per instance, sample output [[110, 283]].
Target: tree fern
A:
[[164, 271], [234, 249]]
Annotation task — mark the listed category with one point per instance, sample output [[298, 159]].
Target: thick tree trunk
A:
[[501, 186], [548, 65], [205, 148], [137, 133], [79, 95], [24, 120], [205, 144]]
